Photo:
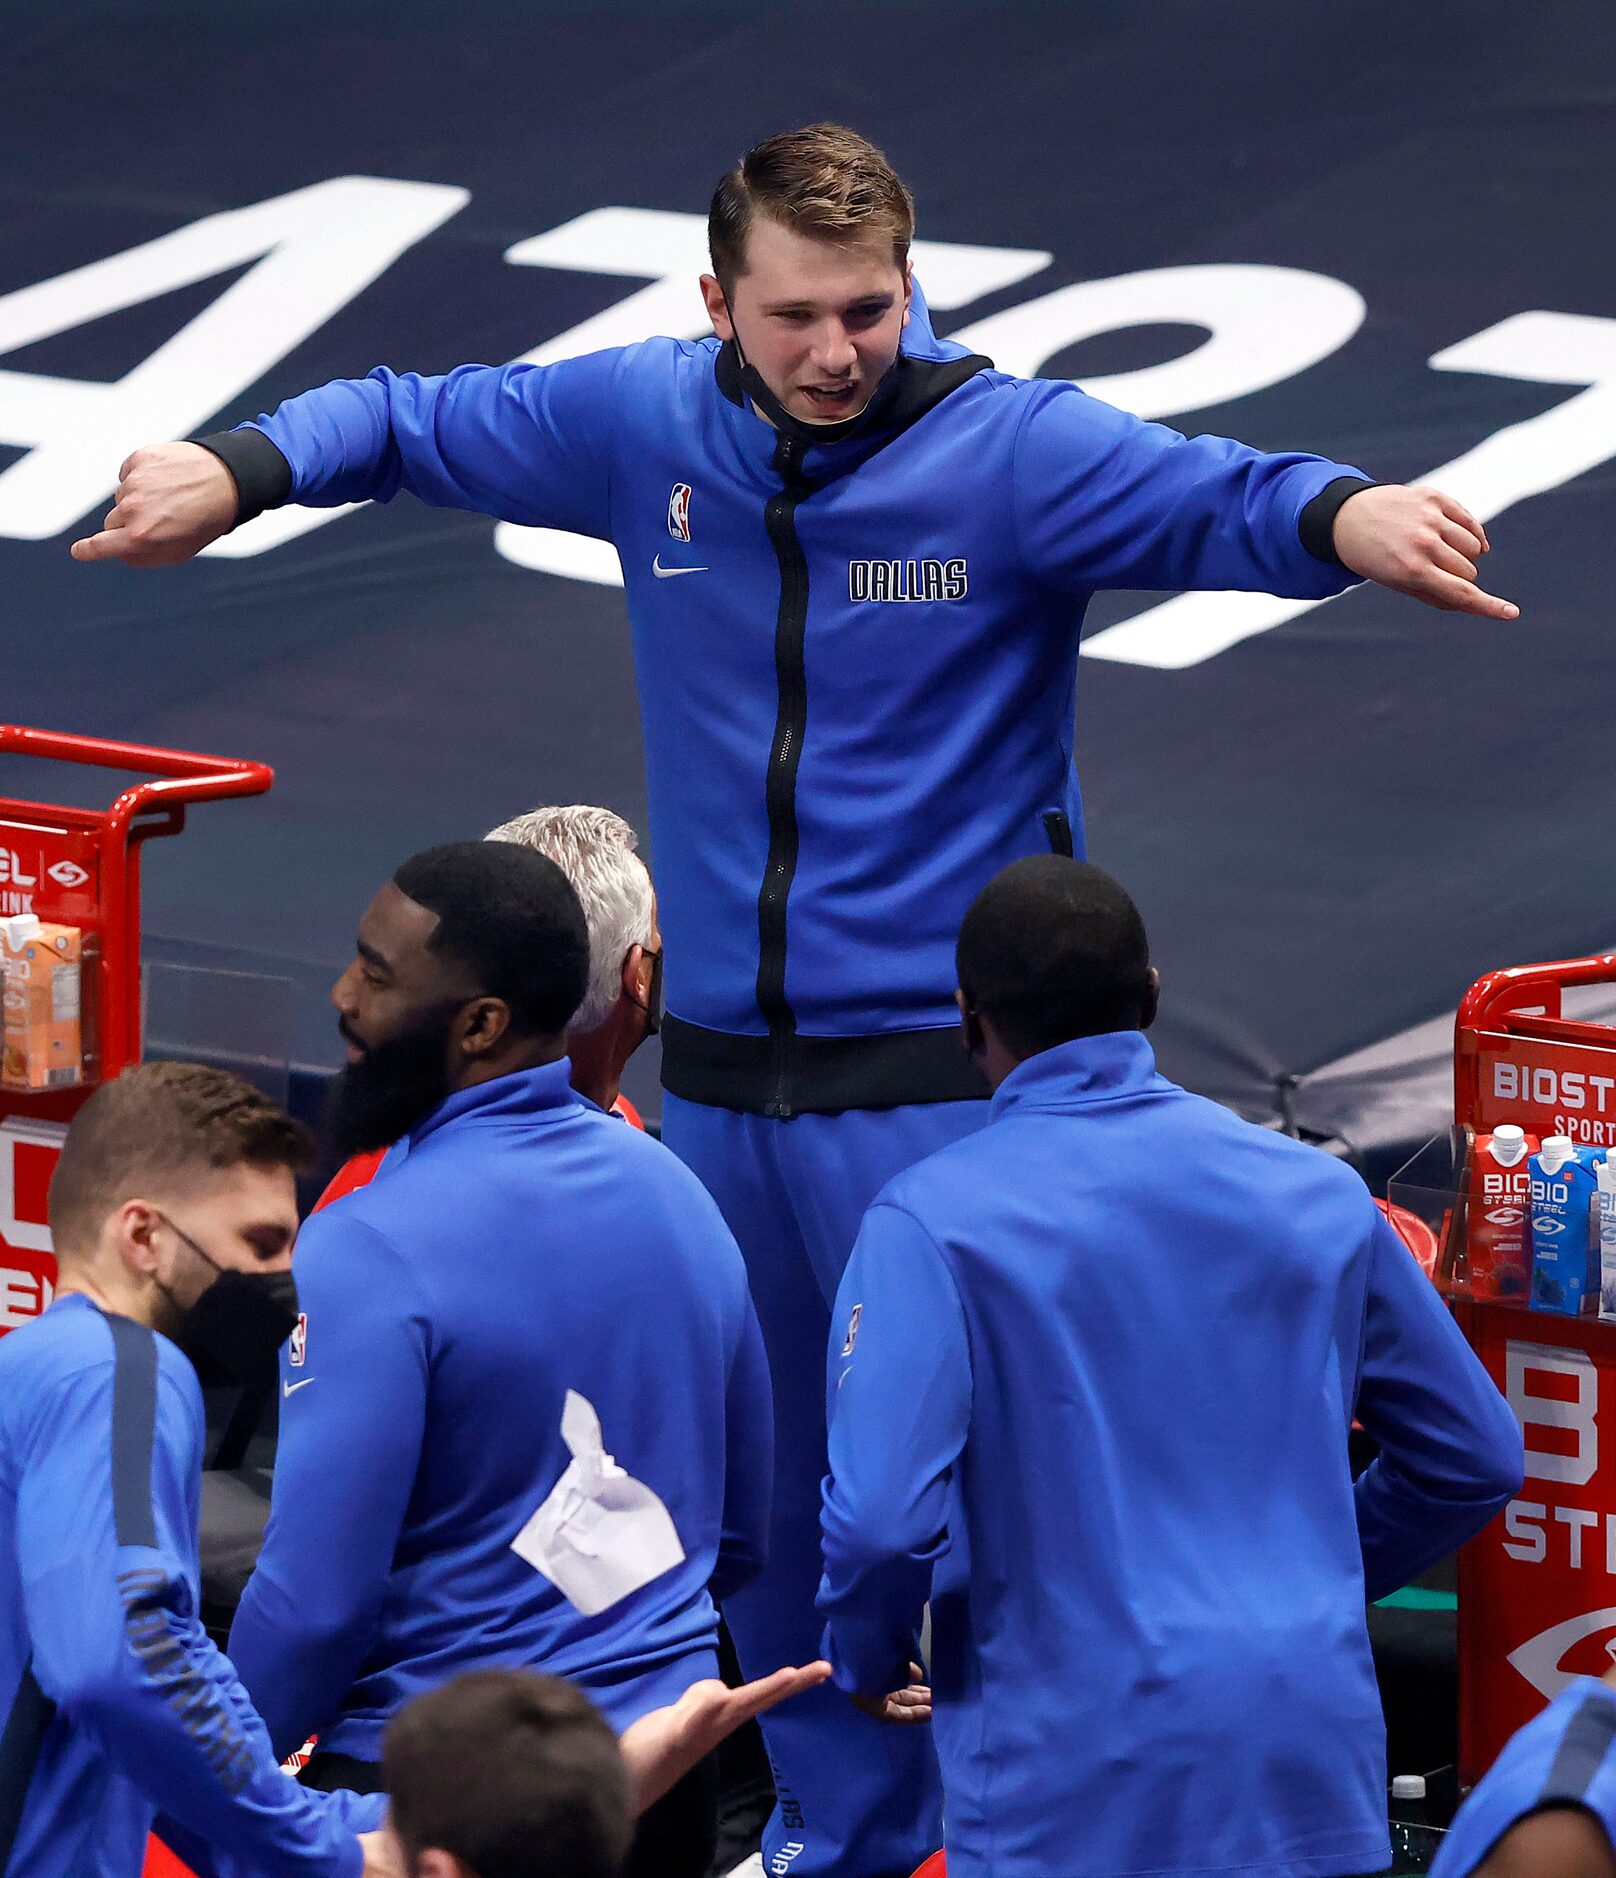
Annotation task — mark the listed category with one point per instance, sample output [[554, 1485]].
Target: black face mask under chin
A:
[[233, 1331], [796, 428]]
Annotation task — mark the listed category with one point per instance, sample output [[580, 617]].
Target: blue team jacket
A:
[[1562, 1757], [116, 1705], [857, 696], [1091, 1376], [526, 1244]]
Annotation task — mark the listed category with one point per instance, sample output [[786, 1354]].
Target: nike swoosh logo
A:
[[667, 573], [291, 1388]]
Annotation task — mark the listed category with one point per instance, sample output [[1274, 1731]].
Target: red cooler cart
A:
[[1537, 1589], [81, 867]]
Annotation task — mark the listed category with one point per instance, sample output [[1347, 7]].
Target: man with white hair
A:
[[599, 854]]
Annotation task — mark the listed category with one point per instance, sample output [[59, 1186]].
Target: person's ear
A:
[[1147, 1014], [908, 290], [483, 1024], [638, 968], [970, 1026], [717, 305], [131, 1231]]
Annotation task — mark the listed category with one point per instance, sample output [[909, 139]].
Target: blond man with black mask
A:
[[173, 1212]]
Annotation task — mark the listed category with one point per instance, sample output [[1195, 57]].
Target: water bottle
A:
[[1413, 1840]]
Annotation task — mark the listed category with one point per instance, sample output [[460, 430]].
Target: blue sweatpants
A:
[[856, 1798]]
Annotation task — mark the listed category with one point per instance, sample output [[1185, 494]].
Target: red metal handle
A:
[[1522, 1001], [144, 809], [187, 775], [1530, 987]]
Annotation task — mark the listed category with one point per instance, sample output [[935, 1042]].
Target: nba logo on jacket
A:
[[679, 512], [297, 1348]]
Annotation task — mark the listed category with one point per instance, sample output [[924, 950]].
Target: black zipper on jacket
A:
[[812, 1069], [791, 720]]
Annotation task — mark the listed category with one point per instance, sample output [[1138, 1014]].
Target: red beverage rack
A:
[[81, 867], [1537, 1589]]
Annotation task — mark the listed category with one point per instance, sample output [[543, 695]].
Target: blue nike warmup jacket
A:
[[525, 1244], [116, 1705], [856, 661], [1092, 1370], [1563, 1757]]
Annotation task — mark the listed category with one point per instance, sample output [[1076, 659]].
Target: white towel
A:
[[599, 1533]]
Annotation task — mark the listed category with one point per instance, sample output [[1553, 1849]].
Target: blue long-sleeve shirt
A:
[[1091, 1375], [114, 1704], [1564, 1757], [524, 1246], [857, 665]]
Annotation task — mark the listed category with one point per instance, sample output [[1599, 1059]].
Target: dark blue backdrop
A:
[[1332, 827]]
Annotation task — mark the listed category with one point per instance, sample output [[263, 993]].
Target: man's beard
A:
[[393, 1086]]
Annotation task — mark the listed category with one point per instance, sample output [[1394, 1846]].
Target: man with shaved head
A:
[[1092, 1371]]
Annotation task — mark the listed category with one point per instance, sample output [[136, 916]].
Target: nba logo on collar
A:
[[297, 1349], [679, 512]]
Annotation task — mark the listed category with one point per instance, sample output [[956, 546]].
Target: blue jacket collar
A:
[[1089, 1069], [532, 1095]]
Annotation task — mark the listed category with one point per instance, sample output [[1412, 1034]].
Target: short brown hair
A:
[[517, 1775], [825, 181], [153, 1126]]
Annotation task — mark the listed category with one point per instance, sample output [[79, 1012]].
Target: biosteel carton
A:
[[41, 1033], [1498, 1234], [1565, 1227], [1605, 1203]]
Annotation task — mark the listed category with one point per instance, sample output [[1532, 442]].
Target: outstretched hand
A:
[[172, 500], [662, 1747], [904, 1707], [1418, 541]]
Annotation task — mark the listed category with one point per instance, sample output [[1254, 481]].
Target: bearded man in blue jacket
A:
[[856, 562], [1091, 1379], [525, 1420]]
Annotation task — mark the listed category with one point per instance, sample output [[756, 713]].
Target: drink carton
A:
[[1605, 1203], [41, 1032], [1565, 1237], [1498, 1235]]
